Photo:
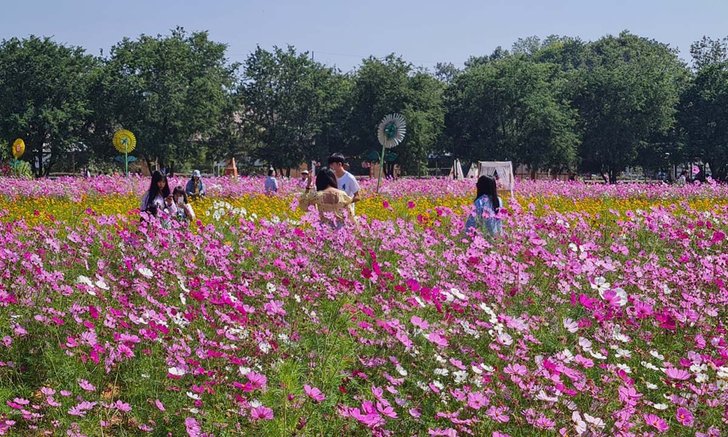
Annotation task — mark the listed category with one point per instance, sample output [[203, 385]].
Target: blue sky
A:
[[343, 32]]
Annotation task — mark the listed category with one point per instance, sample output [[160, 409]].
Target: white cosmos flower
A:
[[624, 367], [182, 285], [623, 353], [600, 284], [194, 396], [597, 355], [85, 280], [651, 386], [102, 285], [176, 371], [458, 294], [649, 365], [580, 424], [660, 407], [657, 355], [722, 372], [570, 325], [596, 421], [145, 272]]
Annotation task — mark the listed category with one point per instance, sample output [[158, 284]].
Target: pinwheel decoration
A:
[[390, 133]]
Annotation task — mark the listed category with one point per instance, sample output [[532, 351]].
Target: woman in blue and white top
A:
[[487, 203]]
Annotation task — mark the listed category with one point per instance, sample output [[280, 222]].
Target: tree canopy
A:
[[554, 104]]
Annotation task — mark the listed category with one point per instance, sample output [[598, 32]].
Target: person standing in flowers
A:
[[345, 181], [271, 183], [487, 203], [195, 187], [184, 209], [154, 199], [330, 202]]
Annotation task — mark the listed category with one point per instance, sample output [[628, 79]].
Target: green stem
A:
[[381, 167]]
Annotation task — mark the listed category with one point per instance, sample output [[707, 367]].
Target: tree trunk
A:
[[719, 171], [612, 177]]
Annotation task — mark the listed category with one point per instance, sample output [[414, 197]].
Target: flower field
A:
[[602, 311]]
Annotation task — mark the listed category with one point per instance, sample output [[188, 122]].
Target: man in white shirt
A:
[[345, 180]]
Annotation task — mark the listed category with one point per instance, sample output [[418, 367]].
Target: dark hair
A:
[[181, 191], [486, 186], [270, 172], [337, 157], [325, 178], [154, 189]]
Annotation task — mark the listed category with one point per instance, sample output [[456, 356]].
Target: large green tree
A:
[[630, 90], [44, 97], [173, 92], [511, 109], [704, 116], [289, 101], [389, 85]]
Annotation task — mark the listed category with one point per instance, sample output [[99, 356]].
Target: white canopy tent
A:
[[456, 171], [472, 171], [502, 171]]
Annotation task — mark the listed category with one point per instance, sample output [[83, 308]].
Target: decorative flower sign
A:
[[124, 141], [18, 148], [390, 132]]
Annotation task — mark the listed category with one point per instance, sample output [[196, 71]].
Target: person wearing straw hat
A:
[[195, 187]]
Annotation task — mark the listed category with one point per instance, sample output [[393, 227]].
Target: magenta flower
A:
[[192, 427], [86, 385], [499, 414], [261, 413], [678, 374], [420, 323], [656, 422], [314, 393], [476, 400], [437, 339], [684, 416]]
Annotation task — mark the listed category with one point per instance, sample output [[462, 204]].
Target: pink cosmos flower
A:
[[679, 374], [476, 400], [684, 416], [122, 406], [314, 393], [437, 339], [420, 323], [255, 381], [261, 413], [86, 385], [448, 432], [499, 414], [159, 405], [516, 369], [656, 422], [192, 427]]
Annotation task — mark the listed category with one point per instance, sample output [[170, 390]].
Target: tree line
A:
[[555, 105]]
